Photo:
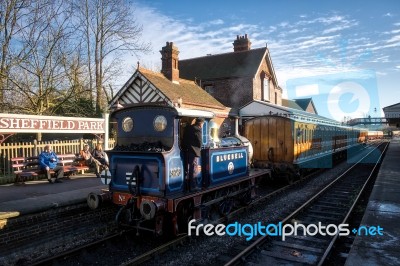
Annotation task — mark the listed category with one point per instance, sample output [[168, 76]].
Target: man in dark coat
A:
[[192, 140]]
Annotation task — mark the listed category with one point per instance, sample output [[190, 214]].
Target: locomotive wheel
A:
[[302, 174], [245, 198], [184, 215], [168, 229], [209, 213], [225, 206], [214, 213], [289, 178]]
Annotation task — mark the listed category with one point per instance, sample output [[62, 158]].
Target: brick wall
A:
[[257, 88], [234, 92], [53, 229]]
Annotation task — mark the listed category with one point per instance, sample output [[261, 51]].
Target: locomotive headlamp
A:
[[160, 123], [127, 124]]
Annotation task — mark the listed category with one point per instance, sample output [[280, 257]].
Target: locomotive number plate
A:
[[121, 198]]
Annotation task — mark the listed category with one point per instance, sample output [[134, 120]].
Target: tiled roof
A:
[[291, 104], [391, 106], [303, 103], [186, 89], [234, 64]]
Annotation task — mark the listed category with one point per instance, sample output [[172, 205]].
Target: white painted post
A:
[[106, 130]]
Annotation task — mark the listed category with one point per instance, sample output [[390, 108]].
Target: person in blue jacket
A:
[[48, 161]]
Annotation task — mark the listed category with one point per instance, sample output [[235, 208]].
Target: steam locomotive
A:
[[146, 176]]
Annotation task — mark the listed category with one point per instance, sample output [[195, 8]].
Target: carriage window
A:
[[298, 135], [305, 135], [127, 124], [160, 123]]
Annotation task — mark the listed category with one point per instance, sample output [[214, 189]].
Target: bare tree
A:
[[11, 12], [109, 29], [38, 80], [60, 57]]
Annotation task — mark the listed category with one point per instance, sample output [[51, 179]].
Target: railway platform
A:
[[383, 210], [40, 195]]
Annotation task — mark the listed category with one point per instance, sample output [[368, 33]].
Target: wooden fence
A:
[[27, 149]]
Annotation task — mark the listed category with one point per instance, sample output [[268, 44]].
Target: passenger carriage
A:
[[292, 144]]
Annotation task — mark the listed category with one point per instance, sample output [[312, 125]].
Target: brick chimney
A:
[[242, 43], [169, 59]]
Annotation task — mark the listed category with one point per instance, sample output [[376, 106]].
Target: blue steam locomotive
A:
[[146, 176]]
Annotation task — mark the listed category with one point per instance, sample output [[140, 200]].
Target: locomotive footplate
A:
[[212, 203], [219, 193], [253, 172]]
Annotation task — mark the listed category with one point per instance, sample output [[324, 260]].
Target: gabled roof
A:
[[291, 104], [299, 104], [188, 90], [226, 65], [303, 103], [393, 106], [160, 89], [260, 108]]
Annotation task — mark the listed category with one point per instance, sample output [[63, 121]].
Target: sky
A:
[[343, 54]]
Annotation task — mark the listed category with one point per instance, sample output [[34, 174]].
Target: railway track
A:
[[143, 256], [331, 206], [264, 195]]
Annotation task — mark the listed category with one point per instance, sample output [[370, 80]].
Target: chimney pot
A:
[[170, 60], [242, 43]]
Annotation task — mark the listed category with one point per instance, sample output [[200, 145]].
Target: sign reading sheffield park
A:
[[51, 124]]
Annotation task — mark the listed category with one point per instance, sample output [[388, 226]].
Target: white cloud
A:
[[309, 47], [307, 90], [216, 22], [394, 39]]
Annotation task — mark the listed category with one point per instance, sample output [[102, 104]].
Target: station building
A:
[[235, 78], [392, 114], [221, 83]]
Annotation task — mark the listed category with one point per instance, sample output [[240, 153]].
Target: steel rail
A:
[[144, 257], [330, 246], [159, 250], [262, 239]]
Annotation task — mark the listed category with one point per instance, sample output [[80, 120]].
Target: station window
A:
[[209, 88], [266, 89]]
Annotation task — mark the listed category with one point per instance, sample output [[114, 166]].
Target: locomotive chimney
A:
[[169, 59], [242, 43]]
